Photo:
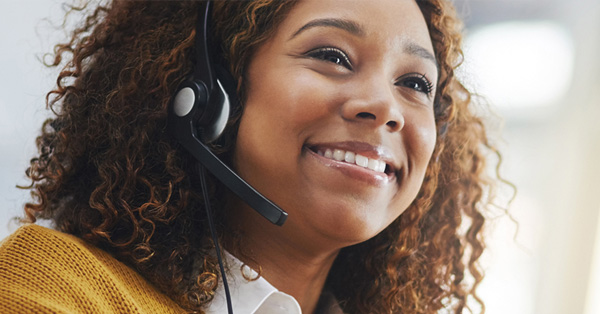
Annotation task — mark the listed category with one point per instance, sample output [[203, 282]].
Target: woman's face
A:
[[338, 126]]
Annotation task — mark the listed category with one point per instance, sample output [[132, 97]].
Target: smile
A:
[[353, 158]]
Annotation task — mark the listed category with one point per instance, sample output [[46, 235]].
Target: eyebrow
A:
[[416, 50], [346, 25]]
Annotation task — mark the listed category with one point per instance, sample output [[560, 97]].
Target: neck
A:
[[290, 261]]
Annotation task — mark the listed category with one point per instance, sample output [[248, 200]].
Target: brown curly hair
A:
[[108, 172]]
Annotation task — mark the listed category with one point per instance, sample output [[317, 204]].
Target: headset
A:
[[199, 113], [197, 116]]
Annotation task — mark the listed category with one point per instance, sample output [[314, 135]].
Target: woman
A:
[[351, 120]]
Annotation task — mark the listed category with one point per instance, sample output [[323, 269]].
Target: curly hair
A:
[[108, 172]]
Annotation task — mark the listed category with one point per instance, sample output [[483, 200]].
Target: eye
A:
[[417, 82], [333, 55]]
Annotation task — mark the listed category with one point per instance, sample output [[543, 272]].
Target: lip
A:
[[355, 171]]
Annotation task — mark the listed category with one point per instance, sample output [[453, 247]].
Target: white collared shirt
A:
[[258, 296], [250, 296]]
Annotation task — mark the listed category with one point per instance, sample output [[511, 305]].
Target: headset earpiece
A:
[[207, 113], [191, 97], [218, 115]]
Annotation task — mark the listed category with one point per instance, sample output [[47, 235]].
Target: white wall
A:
[[24, 37]]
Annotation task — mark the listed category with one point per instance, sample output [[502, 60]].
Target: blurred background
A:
[[536, 62]]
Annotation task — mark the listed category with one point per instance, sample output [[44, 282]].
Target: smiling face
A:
[[338, 126]]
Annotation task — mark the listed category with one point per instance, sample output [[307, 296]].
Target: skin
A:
[[302, 98]]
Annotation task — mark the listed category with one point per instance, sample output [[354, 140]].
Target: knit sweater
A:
[[46, 271]]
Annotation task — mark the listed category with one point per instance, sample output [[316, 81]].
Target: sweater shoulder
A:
[[32, 241], [47, 271]]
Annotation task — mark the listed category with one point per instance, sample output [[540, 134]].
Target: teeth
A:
[[349, 157], [362, 161], [339, 154], [373, 164], [381, 167], [353, 158]]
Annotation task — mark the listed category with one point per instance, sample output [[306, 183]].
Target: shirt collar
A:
[[250, 296]]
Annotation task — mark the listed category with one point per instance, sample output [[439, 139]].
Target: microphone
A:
[[186, 133]]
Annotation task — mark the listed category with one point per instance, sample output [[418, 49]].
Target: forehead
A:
[[396, 22]]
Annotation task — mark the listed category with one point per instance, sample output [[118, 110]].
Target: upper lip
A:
[[378, 152]]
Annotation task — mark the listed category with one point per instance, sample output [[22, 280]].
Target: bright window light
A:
[[519, 65]]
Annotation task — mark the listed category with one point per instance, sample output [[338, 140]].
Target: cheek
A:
[[428, 135], [290, 104], [278, 113], [423, 135]]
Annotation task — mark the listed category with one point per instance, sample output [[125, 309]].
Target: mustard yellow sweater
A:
[[46, 271]]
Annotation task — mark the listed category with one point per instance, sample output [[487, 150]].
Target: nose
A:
[[374, 103]]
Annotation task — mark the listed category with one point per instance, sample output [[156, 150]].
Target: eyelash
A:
[[324, 52], [424, 85]]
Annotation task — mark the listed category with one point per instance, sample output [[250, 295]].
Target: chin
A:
[[349, 226]]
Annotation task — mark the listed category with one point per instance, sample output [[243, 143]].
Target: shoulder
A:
[[31, 242], [49, 251], [43, 270]]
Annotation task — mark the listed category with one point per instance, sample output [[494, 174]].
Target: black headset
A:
[[199, 113]]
